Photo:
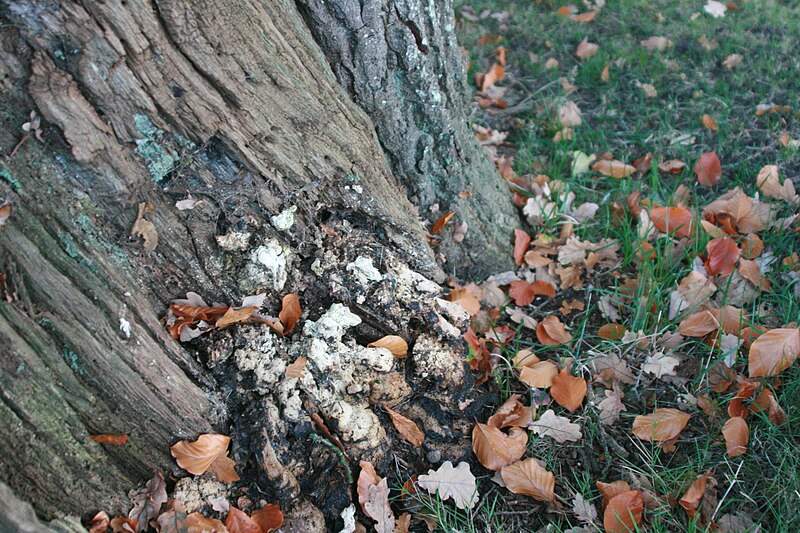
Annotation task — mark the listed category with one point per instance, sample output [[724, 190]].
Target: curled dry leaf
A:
[[234, 316], [613, 168], [290, 312], [523, 293], [530, 478], [736, 434], [511, 413], [395, 344], [449, 482], [693, 496], [723, 253], [708, 169], [147, 501], [197, 523], [609, 490], [496, 449], [144, 228], [521, 242], [539, 375], [551, 331], [774, 351], [238, 522], [624, 512], [444, 219], [662, 425], [677, 220], [709, 122], [557, 427], [100, 523], [768, 182], [209, 451], [568, 391], [367, 477], [378, 507], [111, 440], [406, 427]]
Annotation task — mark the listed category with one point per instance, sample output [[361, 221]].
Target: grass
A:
[[762, 485]]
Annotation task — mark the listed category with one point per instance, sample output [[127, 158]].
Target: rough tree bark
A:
[[234, 103]]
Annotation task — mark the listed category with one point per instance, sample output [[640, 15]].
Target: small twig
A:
[[14, 151], [730, 487], [339, 453]]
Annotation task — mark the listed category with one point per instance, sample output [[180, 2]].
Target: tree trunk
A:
[[399, 61], [233, 103]]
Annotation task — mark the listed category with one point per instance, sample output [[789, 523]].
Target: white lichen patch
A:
[[433, 359], [332, 325], [411, 284], [194, 493], [285, 219], [364, 271], [260, 356], [267, 267], [234, 241]]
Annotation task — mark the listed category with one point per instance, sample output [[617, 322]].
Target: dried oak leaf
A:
[[209, 451], [557, 427], [623, 512], [583, 510], [238, 522], [378, 508], [736, 434], [568, 391], [147, 501], [394, 343], [495, 449], [530, 478], [662, 425], [611, 406], [774, 351], [406, 427], [290, 312], [449, 482], [366, 478]]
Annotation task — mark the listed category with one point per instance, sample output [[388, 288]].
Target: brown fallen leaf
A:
[[442, 221], [624, 512], [466, 298], [111, 440], [583, 17], [209, 451], [144, 228], [568, 391], [5, 212], [297, 369], [774, 351], [511, 413], [662, 425], [234, 316], [524, 293], [677, 220], [120, 524], [530, 478], [521, 242], [609, 490], [367, 477], [290, 312], [100, 523], [147, 501], [672, 166], [723, 253], [539, 375], [268, 518], [394, 343], [691, 499], [197, 523], [407, 428], [495, 449], [736, 434], [708, 169], [586, 49], [613, 168], [551, 331], [238, 522], [709, 122]]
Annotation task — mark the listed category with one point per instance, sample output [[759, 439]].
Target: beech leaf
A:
[[406, 427], [147, 501], [723, 253], [623, 512], [708, 169], [539, 375], [774, 351], [495, 449], [613, 168], [449, 482], [568, 391], [521, 242], [662, 425], [394, 343], [551, 331], [736, 434], [238, 522], [290, 312], [530, 478], [198, 456]]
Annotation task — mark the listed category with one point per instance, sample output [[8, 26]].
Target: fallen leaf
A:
[[523, 293], [612, 332], [467, 299], [709, 122], [539, 375], [613, 168], [511, 413], [624, 512], [568, 391], [662, 425], [290, 312], [605, 74], [584, 17], [656, 43], [583, 510], [611, 406], [234, 316], [774, 351], [672, 166], [209, 451], [694, 494], [649, 90], [378, 508], [100, 523], [442, 221], [677, 220], [736, 434], [732, 61], [367, 477], [197, 523], [609, 490], [493, 75], [723, 253], [188, 203], [5, 212], [551, 64], [586, 49], [147, 501], [569, 116], [698, 324], [659, 365], [551, 331], [708, 169], [496, 449], [394, 343], [557, 427], [448, 482], [715, 9], [406, 427], [111, 440], [521, 242], [238, 522], [144, 228], [768, 182], [530, 478], [297, 369]]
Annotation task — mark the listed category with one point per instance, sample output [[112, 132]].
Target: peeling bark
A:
[[399, 61]]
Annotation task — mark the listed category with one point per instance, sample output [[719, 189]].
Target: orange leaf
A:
[[268, 518], [521, 242], [239, 522], [672, 166], [523, 293], [624, 512], [774, 351], [395, 344], [530, 478], [298, 368], [723, 253], [406, 427], [613, 168], [495, 74], [663, 424], [586, 49], [698, 324], [197, 523], [708, 169], [736, 434], [234, 316], [709, 122], [290, 312], [609, 490], [752, 246], [551, 331], [511, 413], [100, 523], [568, 391], [198, 456], [584, 17], [366, 478], [612, 332], [539, 375], [676, 220], [692, 497], [111, 440], [443, 220], [495, 449]]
